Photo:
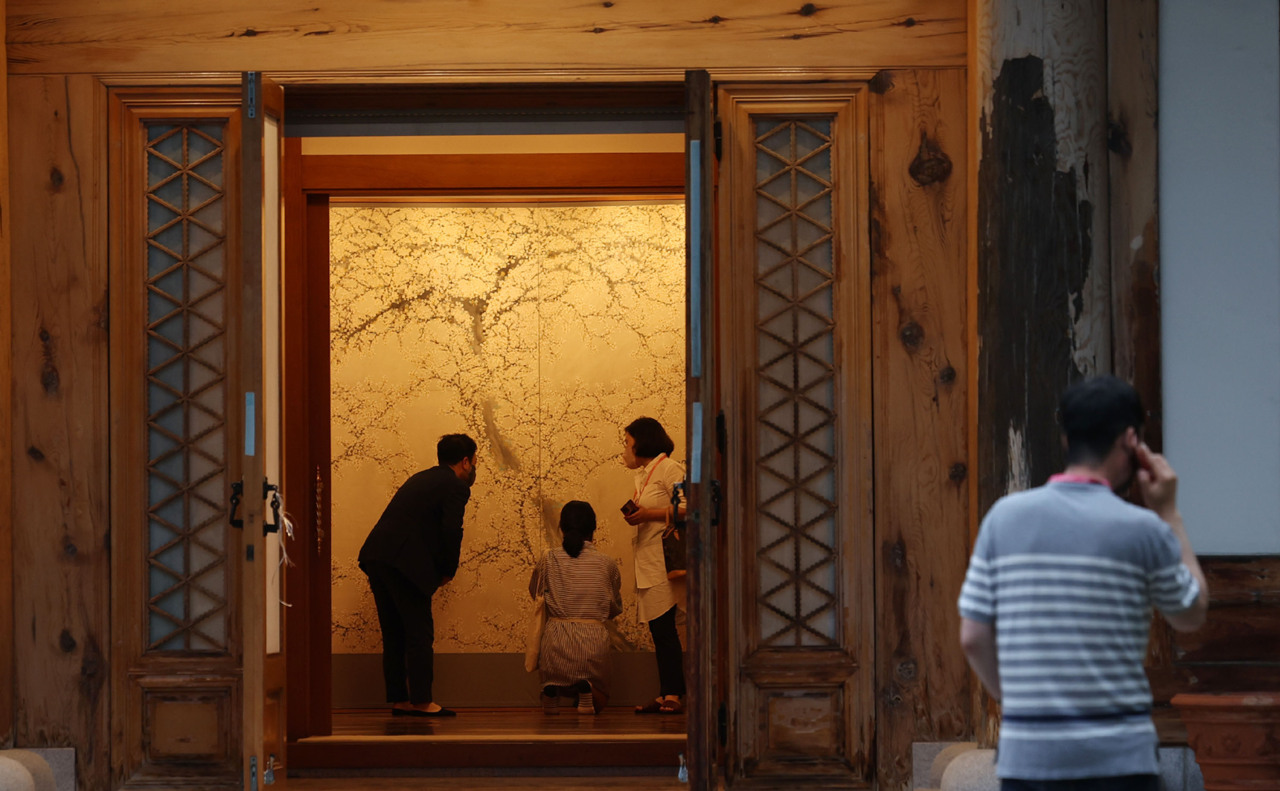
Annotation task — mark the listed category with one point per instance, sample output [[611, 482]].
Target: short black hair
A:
[[578, 525], [453, 448], [1095, 411], [651, 438]]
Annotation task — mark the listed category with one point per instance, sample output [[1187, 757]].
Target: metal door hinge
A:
[[717, 134]]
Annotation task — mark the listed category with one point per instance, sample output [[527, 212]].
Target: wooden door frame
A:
[[310, 182]]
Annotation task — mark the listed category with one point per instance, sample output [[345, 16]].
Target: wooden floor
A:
[[374, 742], [478, 783]]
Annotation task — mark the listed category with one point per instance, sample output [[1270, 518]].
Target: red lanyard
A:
[[1064, 477], [652, 470]]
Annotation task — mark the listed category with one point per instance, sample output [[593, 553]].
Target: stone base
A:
[[960, 766]]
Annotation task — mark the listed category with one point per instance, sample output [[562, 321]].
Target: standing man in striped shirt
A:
[[1056, 606]]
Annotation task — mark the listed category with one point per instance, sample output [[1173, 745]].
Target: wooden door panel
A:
[[175, 583], [795, 364]]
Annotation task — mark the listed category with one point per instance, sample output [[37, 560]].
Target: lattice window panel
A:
[[797, 429], [186, 388]]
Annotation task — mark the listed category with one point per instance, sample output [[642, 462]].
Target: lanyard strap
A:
[[1064, 477], [652, 470]]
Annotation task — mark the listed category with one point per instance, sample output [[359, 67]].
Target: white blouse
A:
[[661, 475]]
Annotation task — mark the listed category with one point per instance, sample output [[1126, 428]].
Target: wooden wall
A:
[[920, 204], [61, 540], [82, 36], [919, 244], [1238, 648]]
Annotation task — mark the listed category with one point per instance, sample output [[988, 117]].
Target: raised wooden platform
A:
[[492, 738]]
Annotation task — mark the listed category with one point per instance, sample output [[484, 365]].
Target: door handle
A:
[[237, 490]]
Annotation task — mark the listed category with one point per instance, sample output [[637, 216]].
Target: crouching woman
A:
[[583, 590]]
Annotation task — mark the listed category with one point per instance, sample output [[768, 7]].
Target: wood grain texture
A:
[[1044, 304], [639, 173], [1238, 648], [701, 668], [6, 421], [919, 284], [797, 715], [576, 782], [142, 680], [489, 738], [77, 36], [1042, 269], [1242, 630], [1133, 142], [60, 510]]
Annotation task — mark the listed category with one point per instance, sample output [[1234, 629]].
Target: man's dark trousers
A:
[[408, 632]]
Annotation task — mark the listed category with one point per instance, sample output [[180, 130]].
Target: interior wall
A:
[[538, 329], [1220, 279]]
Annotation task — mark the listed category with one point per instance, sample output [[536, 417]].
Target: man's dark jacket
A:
[[420, 532]]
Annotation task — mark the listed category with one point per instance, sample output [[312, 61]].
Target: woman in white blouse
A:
[[647, 449]]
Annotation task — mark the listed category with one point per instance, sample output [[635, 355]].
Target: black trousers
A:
[[408, 635], [666, 645], [1125, 783]]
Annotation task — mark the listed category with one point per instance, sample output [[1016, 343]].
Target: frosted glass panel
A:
[[185, 360], [796, 431]]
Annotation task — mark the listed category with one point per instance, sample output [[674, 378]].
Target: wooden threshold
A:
[[493, 738]]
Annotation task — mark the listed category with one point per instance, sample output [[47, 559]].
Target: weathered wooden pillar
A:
[[1044, 275], [1132, 137], [1043, 244]]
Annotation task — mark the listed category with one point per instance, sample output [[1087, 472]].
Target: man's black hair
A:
[[453, 448], [1093, 413], [651, 438], [578, 524]]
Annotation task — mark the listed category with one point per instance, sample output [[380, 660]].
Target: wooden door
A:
[[177, 438], [794, 361], [704, 745], [263, 714]]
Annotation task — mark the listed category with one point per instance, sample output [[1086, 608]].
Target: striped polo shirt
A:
[[1068, 574]]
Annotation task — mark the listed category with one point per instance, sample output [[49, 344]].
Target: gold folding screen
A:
[[540, 329]]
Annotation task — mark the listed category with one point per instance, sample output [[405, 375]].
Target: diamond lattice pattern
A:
[[186, 389], [796, 429]]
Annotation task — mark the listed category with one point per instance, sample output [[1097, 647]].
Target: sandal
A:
[[652, 707], [671, 707]]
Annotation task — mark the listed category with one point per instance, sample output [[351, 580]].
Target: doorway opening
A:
[[513, 273]]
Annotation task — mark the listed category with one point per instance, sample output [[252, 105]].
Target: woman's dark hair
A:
[[578, 524], [453, 448], [1093, 413], [651, 438]]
